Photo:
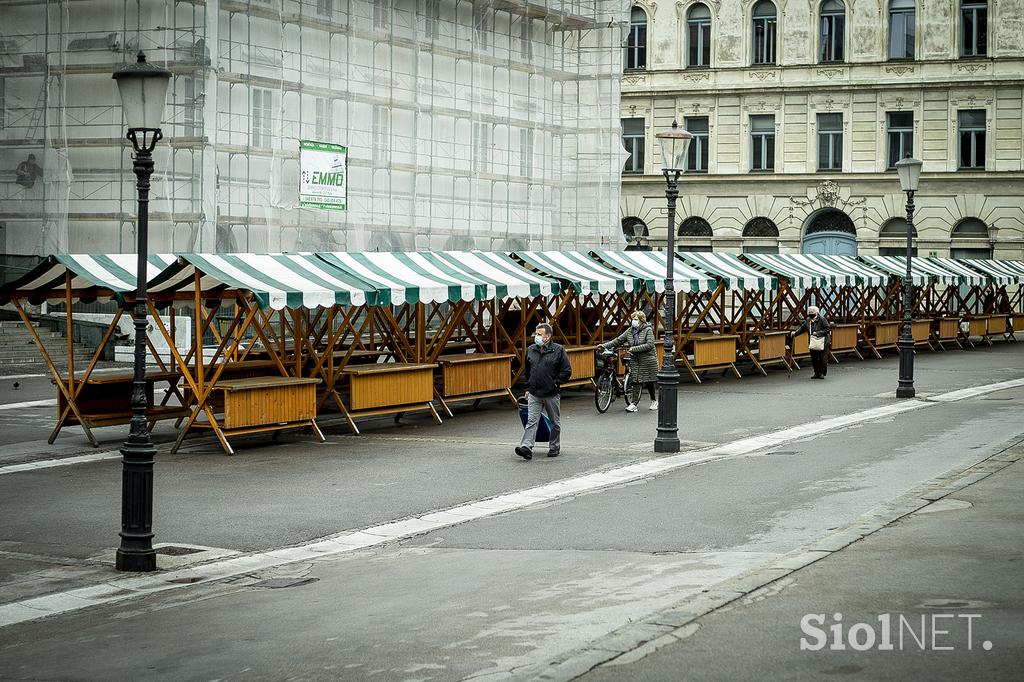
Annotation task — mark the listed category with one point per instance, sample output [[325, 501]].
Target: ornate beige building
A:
[[799, 109]]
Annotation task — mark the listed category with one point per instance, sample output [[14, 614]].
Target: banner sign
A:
[[323, 175]]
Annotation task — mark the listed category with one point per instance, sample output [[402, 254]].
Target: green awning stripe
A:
[[585, 275], [734, 272], [650, 266]]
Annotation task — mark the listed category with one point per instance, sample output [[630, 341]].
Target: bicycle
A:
[[607, 386]]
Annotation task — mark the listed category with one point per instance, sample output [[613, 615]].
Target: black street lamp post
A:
[[143, 90], [909, 170], [675, 144]]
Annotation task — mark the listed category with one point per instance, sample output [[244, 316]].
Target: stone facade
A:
[[864, 87]]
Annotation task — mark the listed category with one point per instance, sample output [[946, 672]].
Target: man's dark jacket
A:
[[547, 368]]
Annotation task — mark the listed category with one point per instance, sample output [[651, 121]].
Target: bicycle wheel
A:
[[604, 392], [627, 387]]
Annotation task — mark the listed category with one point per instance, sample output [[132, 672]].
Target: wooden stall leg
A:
[[437, 417], [316, 430]]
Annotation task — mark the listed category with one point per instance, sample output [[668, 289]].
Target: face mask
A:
[[636, 323], [539, 340]]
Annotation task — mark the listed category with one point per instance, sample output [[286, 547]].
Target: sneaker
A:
[[524, 452], [630, 408], [554, 453], [654, 406]]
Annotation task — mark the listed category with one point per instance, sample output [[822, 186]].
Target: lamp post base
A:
[[667, 439]]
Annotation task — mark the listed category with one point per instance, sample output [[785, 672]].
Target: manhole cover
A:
[[171, 550], [279, 583]]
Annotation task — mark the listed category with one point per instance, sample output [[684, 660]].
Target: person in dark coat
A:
[[643, 371], [820, 328], [547, 368]]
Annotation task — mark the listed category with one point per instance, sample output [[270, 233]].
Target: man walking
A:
[[547, 368]]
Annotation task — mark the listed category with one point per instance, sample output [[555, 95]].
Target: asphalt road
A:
[[507, 596]]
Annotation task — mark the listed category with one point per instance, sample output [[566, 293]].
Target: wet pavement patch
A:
[[279, 583]]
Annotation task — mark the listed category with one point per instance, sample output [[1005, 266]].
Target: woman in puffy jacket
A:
[[639, 341]]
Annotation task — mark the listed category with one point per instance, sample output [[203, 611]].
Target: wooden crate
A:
[[801, 345], [713, 350], [1017, 322], [886, 333], [389, 385], [265, 401], [947, 328], [921, 330], [474, 373], [581, 359], [977, 326], [998, 325], [771, 345], [844, 337]]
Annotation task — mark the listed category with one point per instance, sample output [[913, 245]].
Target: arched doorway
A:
[[830, 233]]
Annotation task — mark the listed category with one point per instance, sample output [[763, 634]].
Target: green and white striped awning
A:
[[437, 277], [92, 276], [278, 281], [997, 271], [965, 274], [805, 271], [730, 269], [650, 266], [583, 273], [864, 274], [923, 270]]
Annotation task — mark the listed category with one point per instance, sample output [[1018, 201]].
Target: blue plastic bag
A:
[[543, 428]]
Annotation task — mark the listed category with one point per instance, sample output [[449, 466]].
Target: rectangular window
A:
[[381, 134], [762, 143], [972, 139], [699, 42], [635, 52], [481, 147], [526, 136], [901, 32], [262, 117], [322, 124], [973, 28], [830, 142], [633, 141], [764, 40], [323, 7], [432, 16], [697, 156], [901, 136], [832, 35], [382, 14], [481, 24]]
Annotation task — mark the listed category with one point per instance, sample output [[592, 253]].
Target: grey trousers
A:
[[550, 405]]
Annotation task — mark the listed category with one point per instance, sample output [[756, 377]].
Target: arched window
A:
[[902, 30], [695, 228], [833, 31], [973, 28], [831, 220], [892, 238], [459, 242], [634, 55], [636, 233], [765, 21], [760, 227], [698, 31], [970, 239]]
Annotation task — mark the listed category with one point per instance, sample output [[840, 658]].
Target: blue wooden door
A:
[[830, 244]]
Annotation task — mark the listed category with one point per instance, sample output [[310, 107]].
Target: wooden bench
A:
[[389, 388], [259, 405], [704, 352], [473, 376], [105, 400]]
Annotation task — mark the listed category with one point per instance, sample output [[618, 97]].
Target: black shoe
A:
[[524, 452], [553, 453]]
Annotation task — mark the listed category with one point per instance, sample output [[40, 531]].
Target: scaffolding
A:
[[490, 125]]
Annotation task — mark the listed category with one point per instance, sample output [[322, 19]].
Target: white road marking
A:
[[29, 403], [60, 462], [120, 589]]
